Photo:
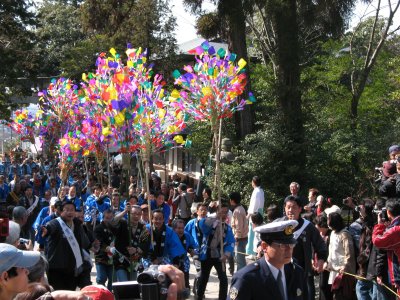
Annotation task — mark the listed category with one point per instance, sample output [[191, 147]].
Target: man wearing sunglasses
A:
[[273, 276]]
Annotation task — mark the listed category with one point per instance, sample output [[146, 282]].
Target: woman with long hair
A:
[[341, 259]]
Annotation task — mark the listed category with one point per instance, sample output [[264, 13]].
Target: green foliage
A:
[[329, 139], [70, 34], [259, 153], [16, 55], [142, 23], [209, 25], [201, 137], [58, 31], [332, 143], [82, 57]]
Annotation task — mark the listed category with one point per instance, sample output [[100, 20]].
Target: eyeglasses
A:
[[284, 246]]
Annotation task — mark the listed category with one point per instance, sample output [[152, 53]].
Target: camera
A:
[[382, 213], [23, 241], [379, 174], [151, 284]]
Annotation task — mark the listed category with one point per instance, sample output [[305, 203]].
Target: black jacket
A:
[[311, 240], [59, 252], [121, 233], [255, 281], [105, 237], [390, 187], [365, 253]]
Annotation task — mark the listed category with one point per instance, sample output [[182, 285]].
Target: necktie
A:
[[280, 285]]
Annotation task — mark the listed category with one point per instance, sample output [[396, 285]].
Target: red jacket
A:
[[389, 239]]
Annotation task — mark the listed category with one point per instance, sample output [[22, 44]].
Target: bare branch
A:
[[384, 36], [371, 39], [394, 31], [263, 18], [352, 83]]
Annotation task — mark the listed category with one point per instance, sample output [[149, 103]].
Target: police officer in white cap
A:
[[273, 276]]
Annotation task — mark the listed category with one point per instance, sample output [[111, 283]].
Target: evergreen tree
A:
[[16, 56], [58, 31], [141, 23]]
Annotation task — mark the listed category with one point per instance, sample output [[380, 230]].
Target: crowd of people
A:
[[69, 222], [347, 252]]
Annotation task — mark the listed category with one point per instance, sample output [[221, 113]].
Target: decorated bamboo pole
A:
[[108, 165], [210, 91], [87, 169], [140, 169], [98, 171], [130, 241], [146, 161], [217, 178]]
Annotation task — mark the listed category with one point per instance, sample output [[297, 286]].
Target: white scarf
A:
[[299, 231], [73, 243], [33, 206]]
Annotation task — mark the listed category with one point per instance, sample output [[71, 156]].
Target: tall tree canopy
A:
[[58, 31], [142, 23], [16, 55], [289, 34]]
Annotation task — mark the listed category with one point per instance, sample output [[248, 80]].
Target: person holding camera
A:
[[183, 203], [386, 236], [348, 211], [390, 174], [389, 166], [310, 209]]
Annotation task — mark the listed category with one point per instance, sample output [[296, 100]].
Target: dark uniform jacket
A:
[[255, 281], [311, 241], [59, 252], [139, 239], [105, 237]]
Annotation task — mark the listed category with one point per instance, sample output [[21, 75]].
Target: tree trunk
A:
[[288, 87], [233, 9]]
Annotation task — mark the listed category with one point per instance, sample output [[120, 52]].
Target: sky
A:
[[186, 22]]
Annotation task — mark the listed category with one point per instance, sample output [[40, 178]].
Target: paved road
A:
[[212, 286]]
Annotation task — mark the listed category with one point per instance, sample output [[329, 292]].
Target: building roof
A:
[[189, 46]]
